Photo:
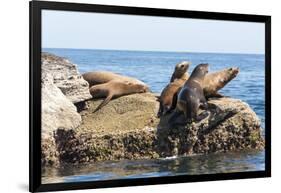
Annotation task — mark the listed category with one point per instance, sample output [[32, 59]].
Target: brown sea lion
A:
[[167, 96], [191, 95], [169, 93], [213, 82], [114, 89], [100, 77], [180, 71]]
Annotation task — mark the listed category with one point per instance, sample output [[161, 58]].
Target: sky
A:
[[81, 30]]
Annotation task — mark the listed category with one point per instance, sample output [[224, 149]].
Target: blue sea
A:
[[155, 69]]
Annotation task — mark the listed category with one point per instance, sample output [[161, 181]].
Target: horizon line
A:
[[198, 52]]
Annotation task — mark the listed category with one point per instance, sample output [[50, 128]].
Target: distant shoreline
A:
[[183, 52]]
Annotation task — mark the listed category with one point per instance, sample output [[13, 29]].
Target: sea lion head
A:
[[138, 88], [228, 75], [182, 67], [200, 71], [233, 71]]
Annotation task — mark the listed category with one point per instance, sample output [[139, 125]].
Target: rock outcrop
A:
[[127, 128], [57, 110], [62, 86], [66, 77], [232, 125]]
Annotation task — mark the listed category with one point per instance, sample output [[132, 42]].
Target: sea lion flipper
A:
[[104, 102], [158, 98], [201, 96], [160, 111], [218, 95], [202, 116], [173, 118], [191, 111]]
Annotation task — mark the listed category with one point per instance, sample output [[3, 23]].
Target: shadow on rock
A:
[[230, 125]]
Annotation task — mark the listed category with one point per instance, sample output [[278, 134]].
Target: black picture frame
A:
[[36, 8]]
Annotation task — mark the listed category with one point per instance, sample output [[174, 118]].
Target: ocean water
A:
[[155, 69]]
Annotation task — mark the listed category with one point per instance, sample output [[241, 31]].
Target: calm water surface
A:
[[155, 69]]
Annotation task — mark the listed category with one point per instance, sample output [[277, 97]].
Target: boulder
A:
[[66, 77], [123, 129], [231, 125], [127, 128], [57, 112]]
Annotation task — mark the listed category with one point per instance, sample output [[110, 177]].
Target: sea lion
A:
[[167, 97], [100, 77], [180, 71], [169, 93], [114, 89], [212, 83], [191, 95], [217, 80]]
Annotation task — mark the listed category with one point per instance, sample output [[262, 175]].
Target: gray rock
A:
[[62, 86], [66, 77], [57, 110]]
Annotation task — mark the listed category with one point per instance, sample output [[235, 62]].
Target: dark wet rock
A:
[[50, 154]]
